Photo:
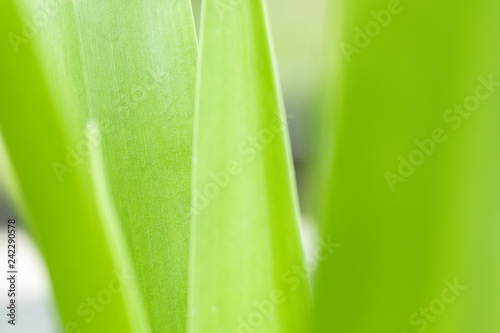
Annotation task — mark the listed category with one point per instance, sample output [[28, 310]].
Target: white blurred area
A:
[[34, 301]]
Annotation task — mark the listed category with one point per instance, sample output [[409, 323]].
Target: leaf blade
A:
[[245, 214]]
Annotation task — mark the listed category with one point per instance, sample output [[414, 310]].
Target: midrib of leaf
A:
[[245, 239], [64, 216]]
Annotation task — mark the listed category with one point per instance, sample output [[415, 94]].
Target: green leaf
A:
[[139, 78], [71, 229], [246, 247], [129, 67], [407, 235]]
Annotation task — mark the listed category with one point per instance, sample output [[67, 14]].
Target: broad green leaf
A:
[[130, 67], [71, 229], [135, 76], [246, 249], [413, 185]]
